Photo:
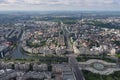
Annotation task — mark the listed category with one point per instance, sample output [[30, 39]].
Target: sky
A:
[[48, 5]]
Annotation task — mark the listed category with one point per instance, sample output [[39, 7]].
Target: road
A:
[[72, 59], [67, 40], [75, 67]]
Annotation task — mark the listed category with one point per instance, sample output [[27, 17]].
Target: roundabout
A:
[[98, 66]]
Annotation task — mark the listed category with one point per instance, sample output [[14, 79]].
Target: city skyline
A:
[[59, 40], [68, 5]]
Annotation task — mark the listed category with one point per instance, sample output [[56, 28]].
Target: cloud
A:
[[32, 1], [60, 4], [11, 1]]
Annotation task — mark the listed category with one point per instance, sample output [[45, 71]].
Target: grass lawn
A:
[[84, 58], [41, 59]]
